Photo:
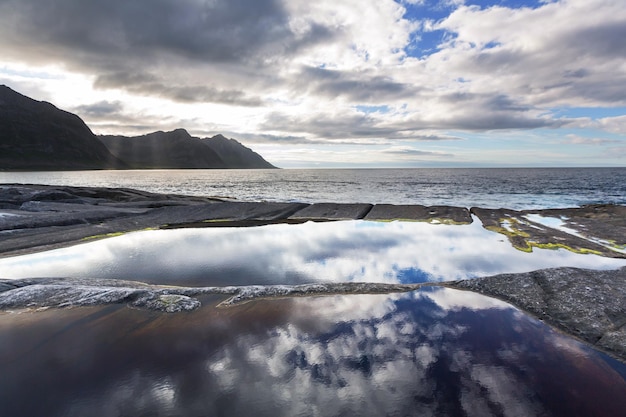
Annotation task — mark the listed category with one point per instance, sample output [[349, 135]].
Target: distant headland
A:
[[37, 136]]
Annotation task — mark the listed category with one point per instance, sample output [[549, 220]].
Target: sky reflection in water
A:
[[276, 254], [425, 353], [437, 352]]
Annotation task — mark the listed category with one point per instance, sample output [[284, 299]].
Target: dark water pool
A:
[[441, 353], [438, 352]]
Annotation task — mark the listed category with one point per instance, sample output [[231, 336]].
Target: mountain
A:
[[35, 135], [178, 149], [175, 149], [234, 154]]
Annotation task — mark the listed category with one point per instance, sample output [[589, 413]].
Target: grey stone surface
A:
[[231, 211], [432, 214], [37, 217], [599, 229], [38, 293], [332, 211], [588, 304]]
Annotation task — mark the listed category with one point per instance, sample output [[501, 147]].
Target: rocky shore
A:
[[586, 304], [38, 217]]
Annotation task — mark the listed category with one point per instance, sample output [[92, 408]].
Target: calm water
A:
[[293, 254], [522, 188], [427, 353], [437, 352]]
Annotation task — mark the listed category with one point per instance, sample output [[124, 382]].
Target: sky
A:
[[327, 83]]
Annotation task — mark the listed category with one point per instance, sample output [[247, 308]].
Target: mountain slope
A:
[[175, 149], [178, 149], [35, 135], [235, 155]]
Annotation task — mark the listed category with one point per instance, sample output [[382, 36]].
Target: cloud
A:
[[100, 109], [405, 151], [145, 46], [276, 139], [615, 152], [539, 54], [478, 113], [157, 85], [298, 72], [579, 140], [614, 124], [235, 31], [356, 86]]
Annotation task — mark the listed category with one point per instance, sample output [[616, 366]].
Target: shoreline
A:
[[585, 304], [36, 218]]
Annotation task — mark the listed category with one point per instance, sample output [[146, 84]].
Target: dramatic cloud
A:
[[300, 72], [100, 109]]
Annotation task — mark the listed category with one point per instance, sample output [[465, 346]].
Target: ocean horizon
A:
[[514, 188]]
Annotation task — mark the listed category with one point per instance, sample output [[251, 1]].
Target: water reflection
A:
[[277, 254], [423, 353], [432, 352]]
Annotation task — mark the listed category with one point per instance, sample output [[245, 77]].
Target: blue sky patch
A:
[[593, 113], [372, 109]]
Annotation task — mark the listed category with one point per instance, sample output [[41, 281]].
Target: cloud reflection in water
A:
[[366, 355], [431, 352], [277, 254]]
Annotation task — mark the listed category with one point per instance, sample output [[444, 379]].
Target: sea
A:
[[514, 188]]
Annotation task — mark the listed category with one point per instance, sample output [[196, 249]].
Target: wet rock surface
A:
[[35, 218], [588, 304], [38, 217], [431, 214], [332, 211], [41, 293], [599, 229]]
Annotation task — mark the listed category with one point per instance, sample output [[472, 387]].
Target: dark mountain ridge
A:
[[235, 154], [36, 135], [163, 150], [178, 149]]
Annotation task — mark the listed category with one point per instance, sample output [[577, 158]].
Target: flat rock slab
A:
[[332, 211], [597, 229], [12, 196], [234, 211], [431, 214], [43, 231], [588, 304], [38, 217], [605, 222]]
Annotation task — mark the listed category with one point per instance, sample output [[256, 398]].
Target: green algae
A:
[[104, 235], [511, 231], [116, 234], [434, 220], [520, 239], [553, 246]]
